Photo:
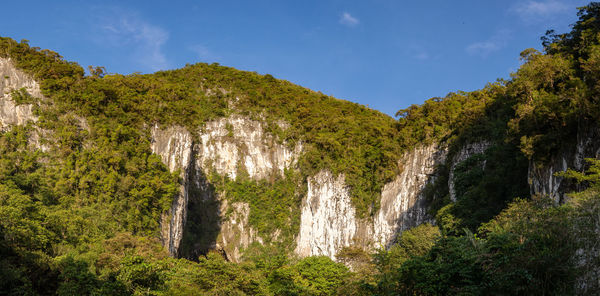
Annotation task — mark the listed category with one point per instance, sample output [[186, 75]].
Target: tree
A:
[[97, 71]]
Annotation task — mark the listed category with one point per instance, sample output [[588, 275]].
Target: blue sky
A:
[[382, 53]]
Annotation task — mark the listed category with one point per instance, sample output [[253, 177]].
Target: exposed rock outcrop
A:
[[402, 202], [12, 79], [175, 147], [225, 146], [463, 154], [233, 143], [236, 233], [541, 176], [328, 220]]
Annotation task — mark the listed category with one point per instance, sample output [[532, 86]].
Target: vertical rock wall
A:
[[175, 147], [329, 223], [225, 146], [233, 143], [11, 79], [402, 201], [463, 154], [541, 176], [328, 220]]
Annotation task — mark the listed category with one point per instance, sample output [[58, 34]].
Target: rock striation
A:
[[12, 79], [463, 154], [403, 203], [542, 176], [225, 146], [328, 220], [175, 147], [230, 144]]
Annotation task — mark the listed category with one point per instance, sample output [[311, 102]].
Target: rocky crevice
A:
[[329, 222], [403, 204], [175, 146], [227, 147]]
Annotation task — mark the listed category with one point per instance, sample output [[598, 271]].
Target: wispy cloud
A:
[[203, 53], [419, 52], [533, 10], [487, 47], [120, 29], [483, 48], [348, 20], [422, 56]]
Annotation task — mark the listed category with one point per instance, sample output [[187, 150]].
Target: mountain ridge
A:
[[98, 169]]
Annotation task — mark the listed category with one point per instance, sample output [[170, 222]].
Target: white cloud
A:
[[146, 40], [348, 20], [422, 56], [204, 54], [485, 48], [419, 52], [532, 10]]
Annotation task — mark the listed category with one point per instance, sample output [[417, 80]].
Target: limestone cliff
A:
[[224, 146], [463, 154], [402, 202], [12, 79], [542, 178], [175, 145], [328, 221], [328, 218], [228, 144]]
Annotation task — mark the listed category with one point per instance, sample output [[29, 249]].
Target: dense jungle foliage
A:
[[81, 216]]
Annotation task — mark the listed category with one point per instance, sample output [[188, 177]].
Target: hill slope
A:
[[104, 176]]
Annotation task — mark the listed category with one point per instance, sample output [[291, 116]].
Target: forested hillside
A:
[[83, 197]]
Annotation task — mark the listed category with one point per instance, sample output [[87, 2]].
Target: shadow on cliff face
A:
[[414, 216], [418, 211], [484, 181], [203, 223], [570, 155]]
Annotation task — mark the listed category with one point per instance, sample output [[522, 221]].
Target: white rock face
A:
[[543, 181], [230, 142], [11, 79], [328, 220], [402, 201], [236, 233], [226, 146], [541, 176], [462, 155], [175, 147]]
